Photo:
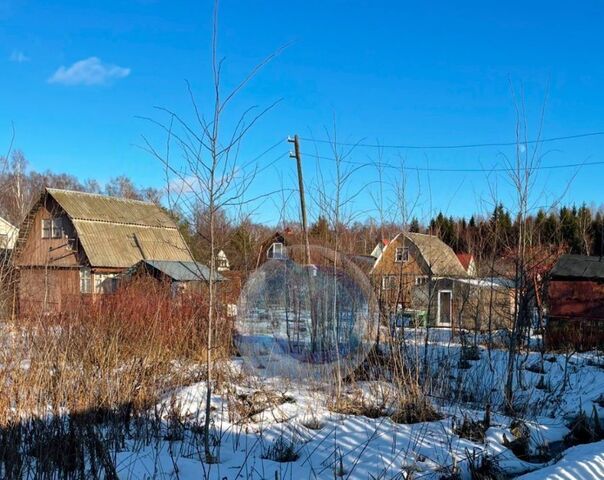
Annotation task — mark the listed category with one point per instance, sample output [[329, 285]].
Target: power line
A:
[[460, 170], [452, 147]]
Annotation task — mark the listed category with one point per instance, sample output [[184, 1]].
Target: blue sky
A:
[[75, 75]]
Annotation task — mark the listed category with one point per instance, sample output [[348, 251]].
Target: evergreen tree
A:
[[320, 230], [414, 226]]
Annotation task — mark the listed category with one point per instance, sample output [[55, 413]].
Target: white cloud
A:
[[91, 71], [18, 56]]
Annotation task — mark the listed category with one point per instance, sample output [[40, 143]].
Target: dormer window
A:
[[277, 251], [401, 255]]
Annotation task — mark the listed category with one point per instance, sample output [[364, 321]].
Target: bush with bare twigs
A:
[[78, 378]]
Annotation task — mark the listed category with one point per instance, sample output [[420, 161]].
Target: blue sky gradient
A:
[[422, 73]]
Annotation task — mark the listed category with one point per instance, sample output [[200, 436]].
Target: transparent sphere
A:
[[306, 321]]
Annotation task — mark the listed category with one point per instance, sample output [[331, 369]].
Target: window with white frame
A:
[[276, 250], [401, 254], [85, 280], [46, 227], [52, 227], [56, 227], [389, 282], [421, 280]]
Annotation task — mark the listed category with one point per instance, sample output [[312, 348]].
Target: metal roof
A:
[[117, 232], [579, 266], [183, 271]]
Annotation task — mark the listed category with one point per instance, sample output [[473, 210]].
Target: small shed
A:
[[222, 262], [182, 275], [575, 301]]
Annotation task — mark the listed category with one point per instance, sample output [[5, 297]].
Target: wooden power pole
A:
[[296, 154], [314, 327]]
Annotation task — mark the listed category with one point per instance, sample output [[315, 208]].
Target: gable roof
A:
[[379, 248], [182, 271], [437, 255], [579, 266], [118, 232], [103, 208], [465, 259]]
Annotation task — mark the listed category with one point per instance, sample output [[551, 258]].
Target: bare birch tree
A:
[[522, 170], [334, 201], [210, 175]]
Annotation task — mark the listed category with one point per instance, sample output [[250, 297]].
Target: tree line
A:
[[569, 228], [20, 187], [572, 229]]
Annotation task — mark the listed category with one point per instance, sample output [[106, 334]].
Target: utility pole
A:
[[602, 239], [314, 326], [296, 154]]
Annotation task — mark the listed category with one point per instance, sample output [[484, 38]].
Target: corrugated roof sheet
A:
[[183, 271], [116, 245], [438, 255], [579, 266], [117, 232], [103, 208]]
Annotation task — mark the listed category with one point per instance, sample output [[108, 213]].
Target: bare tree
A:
[[522, 174], [334, 201], [211, 176]]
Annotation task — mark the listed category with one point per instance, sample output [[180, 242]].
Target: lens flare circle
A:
[[306, 321]]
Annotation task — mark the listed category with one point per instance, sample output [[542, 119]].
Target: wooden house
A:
[[420, 277], [575, 303], [222, 262], [275, 246], [74, 245], [415, 273]]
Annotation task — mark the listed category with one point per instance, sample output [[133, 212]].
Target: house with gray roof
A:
[[181, 275]]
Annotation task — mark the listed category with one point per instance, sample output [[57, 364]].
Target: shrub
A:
[[419, 410], [470, 352], [281, 450], [470, 429], [101, 365]]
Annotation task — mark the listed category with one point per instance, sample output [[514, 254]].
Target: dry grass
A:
[[105, 363]]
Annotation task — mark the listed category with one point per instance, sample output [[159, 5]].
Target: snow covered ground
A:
[[274, 428], [583, 462]]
